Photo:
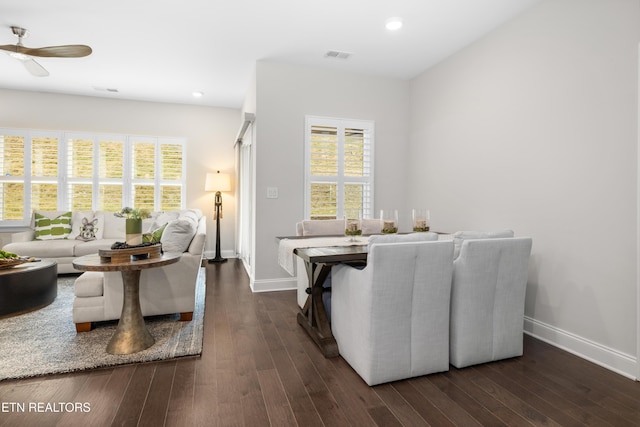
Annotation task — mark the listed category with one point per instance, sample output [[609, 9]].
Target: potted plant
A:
[[133, 217]]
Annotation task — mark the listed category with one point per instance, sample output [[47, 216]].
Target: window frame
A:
[[368, 126], [64, 180]]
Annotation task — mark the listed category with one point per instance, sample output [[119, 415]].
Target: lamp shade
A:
[[218, 182]]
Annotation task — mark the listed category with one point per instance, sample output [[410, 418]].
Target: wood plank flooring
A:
[[259, 368]]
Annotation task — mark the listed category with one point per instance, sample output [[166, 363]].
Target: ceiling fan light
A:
[[18, 55], [393, 24]]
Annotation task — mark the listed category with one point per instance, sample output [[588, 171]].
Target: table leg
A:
[[131, 334], [313, 317]]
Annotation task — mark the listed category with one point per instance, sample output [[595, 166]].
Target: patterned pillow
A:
[[154, 236], [87, 231], [51, 229]]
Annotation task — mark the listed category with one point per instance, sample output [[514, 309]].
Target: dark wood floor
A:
[[258, 368]]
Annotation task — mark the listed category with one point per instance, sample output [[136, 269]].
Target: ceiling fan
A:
[[25, 54]]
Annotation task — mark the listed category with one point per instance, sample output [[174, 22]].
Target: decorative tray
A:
[[12, 262]]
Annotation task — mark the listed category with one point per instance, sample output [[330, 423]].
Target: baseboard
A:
[[616, 361], [269, 285], [224, 254]]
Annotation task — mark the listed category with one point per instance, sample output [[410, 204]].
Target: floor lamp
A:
[[218, 182]]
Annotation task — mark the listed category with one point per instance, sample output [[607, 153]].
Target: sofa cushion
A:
[[89, 284], [178, 233], [47, 228], [92, 246], [87, 225], [39, 249]]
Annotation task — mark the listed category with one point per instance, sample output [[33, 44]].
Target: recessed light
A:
[[336, 54], [393, 24], [105, 89], [197, 94]]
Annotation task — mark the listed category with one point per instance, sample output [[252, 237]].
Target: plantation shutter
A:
[[111, 159], [54, 171], [12, 197], [338, 164], [143, 155], [44, 173], [80, 173], [171, 169]]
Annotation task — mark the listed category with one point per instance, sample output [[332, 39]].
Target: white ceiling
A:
[[163, 50]]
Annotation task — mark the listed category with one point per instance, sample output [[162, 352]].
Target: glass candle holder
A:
[[421, 220], [389, 221], [353, 225]]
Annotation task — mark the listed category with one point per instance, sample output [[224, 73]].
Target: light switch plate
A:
[[272, 192]]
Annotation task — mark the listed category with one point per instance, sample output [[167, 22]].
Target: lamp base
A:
[[216, 260]]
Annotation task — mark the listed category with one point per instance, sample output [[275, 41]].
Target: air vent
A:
[[105, 89], [337, 54]]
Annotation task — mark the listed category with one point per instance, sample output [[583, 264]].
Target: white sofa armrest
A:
[[23, 236], [196, 247]]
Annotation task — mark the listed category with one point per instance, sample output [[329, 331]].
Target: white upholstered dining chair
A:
[[323, 227], [391, 319], [487, 300]]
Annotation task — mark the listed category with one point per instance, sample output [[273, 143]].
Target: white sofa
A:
[[109, 229], [98, 296]]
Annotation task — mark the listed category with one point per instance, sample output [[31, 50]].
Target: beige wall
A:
[[210, 134], [534, 128], [284, 95]]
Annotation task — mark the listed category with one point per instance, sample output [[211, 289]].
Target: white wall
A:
[[534, 128], [210, 134], [285, 94]]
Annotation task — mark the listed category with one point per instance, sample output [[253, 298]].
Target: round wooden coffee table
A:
[[28, 287], [132, 334]]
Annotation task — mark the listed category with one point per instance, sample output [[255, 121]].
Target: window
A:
[[338, 167], [67, 171]]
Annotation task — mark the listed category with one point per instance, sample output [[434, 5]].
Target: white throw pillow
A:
[[178, 233], [95, 220], [162, 218]]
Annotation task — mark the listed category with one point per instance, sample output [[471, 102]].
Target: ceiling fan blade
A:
[[34, 68], [66, 51], [12, 48]]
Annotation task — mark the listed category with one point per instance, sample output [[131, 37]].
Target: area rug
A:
[[45, 341]]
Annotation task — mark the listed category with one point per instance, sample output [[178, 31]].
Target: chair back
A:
[[487, 300], [391, 319], [333, 227]]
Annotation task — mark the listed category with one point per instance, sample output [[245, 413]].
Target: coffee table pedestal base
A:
[[131, 334]]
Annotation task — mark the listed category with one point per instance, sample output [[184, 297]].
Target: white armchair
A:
[[391, 319], [487, 300]]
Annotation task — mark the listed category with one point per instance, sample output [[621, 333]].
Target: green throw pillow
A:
[[50, 229], [154, 236]]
